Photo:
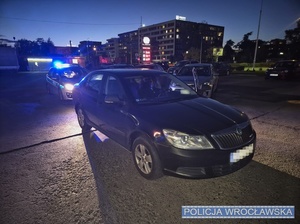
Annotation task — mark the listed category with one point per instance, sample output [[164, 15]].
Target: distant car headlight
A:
[[186, 141], [69, 86]]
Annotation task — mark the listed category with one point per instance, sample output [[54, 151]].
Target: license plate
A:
[[273, 74], [241, 153]]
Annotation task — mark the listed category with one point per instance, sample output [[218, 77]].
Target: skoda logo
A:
[[239, 131]]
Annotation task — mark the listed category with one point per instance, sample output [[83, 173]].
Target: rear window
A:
[[200, 71]]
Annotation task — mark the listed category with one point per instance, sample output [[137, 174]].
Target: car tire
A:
[[81, 117], [146, 159]]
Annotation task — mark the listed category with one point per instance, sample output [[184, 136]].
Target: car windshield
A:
[[200, 71], [72, 73], [158, 88]]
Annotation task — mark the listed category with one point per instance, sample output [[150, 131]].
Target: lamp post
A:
[[256, 45], [200, 56]]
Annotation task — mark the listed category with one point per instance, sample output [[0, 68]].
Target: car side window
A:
[[94, 83], [113, 88]]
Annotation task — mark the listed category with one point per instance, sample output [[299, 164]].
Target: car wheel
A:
[[146, 159], [82, 120]]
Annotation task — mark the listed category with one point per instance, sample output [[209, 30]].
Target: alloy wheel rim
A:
[[143, 159]]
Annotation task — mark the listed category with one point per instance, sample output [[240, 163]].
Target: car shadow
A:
[[126, 197]]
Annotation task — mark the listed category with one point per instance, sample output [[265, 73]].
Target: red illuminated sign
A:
[[146, 53]]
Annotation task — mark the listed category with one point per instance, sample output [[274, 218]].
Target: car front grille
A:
[[235, 136]]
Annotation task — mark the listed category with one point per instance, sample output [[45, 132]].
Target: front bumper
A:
[[66, 94], [203, 163], [278, 75]]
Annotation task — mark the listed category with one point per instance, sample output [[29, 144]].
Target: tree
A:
[[246, 49], [34, 48], [293, 42], [228, 52]]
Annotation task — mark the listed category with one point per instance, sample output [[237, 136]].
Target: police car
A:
[[61, 78]]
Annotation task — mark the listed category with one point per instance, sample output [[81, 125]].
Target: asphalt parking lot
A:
[[50, 173]]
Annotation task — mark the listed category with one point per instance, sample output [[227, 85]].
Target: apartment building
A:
[[170, 41]]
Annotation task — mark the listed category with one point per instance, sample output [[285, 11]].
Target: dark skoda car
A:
[[164, 123]]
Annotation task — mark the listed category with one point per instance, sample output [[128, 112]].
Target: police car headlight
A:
[[69, 86]]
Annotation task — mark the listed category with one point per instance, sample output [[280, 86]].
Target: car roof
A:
[[66, 66], [198, 64], [130, 71]]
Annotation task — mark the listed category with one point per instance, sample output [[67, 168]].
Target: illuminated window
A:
[[177, 30], [177, 36]]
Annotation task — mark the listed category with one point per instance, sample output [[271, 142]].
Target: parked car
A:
[[288, 69], [150, 66], [201, 77], [60, 79], [222, 68], [179, 65], [164, 64], [166, 125]]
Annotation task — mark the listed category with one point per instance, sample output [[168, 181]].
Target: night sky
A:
[[99, 20]]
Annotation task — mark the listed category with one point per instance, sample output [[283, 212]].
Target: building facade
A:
[[171, 41], [112, 49], [129, 47], [92, 51]]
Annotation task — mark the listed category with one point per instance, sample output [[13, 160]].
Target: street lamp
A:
[[200, 56], [256, 45]]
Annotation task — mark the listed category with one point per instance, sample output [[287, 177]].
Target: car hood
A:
[[71, 81], [196, 116]]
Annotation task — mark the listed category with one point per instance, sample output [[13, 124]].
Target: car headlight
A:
[[186, 141], [69, 86]]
